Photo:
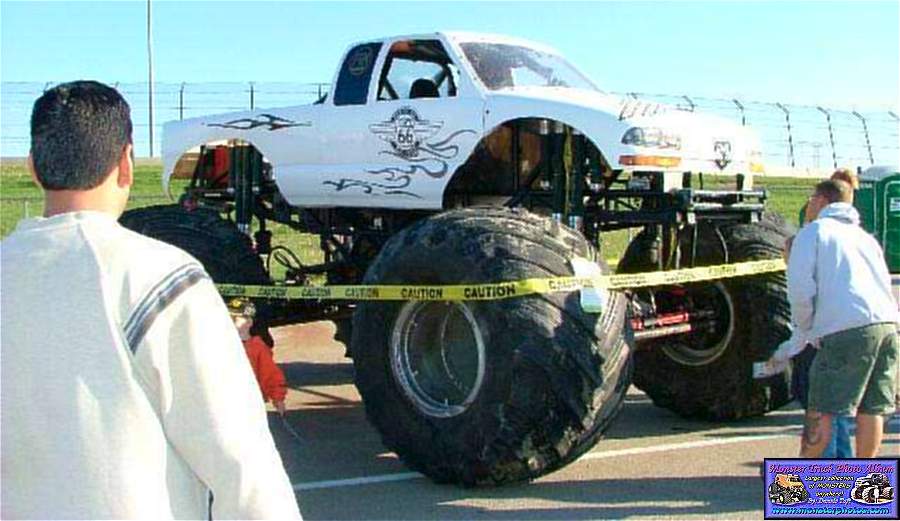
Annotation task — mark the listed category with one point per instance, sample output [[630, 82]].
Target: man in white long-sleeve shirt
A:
[[125, 389], [840, 294]]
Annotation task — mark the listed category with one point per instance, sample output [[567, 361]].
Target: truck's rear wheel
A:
[[487, 392], [226, 253], [709, 374]]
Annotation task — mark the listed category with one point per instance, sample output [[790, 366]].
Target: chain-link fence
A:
[[171, 101], [804, 136], [795, 136]]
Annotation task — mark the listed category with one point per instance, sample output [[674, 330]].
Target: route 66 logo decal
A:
[[405, 131]]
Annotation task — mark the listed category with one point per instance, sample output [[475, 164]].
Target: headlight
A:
[[651, 137], [756, 163]]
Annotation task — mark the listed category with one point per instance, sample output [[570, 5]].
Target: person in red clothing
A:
[[271, 380]]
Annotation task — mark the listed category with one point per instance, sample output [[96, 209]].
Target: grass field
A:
[[20, 198]]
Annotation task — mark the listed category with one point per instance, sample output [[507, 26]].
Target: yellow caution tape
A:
[[503, 290]]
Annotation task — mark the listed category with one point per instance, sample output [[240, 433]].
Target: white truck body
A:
[[402, 153]]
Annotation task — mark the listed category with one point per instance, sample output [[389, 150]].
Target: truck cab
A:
[[408, 116]]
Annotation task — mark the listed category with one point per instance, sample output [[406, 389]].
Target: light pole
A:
[[150, 69]]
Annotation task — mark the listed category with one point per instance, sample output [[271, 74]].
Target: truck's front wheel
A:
[[708, 373], [487, 392]]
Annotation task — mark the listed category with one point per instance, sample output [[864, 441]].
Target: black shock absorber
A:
[[577, 182], [245, 163], [595, 170], [547, 163], [554, 143]]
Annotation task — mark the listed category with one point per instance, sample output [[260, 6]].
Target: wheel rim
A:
[[438, 357], [703, 349]]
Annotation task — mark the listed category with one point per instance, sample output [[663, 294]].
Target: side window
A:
[[356, 72], [417, 69]]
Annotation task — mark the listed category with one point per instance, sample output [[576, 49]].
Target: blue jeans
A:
[[839, 446]]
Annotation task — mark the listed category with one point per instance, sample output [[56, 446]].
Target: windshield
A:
[[502, 66]]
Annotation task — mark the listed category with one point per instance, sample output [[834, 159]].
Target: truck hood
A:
[[585, 99], [709, 143]]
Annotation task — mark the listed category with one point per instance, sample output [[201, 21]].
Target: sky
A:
[[840, 54]]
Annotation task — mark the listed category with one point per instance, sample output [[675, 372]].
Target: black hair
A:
[[835, 191], [78, 133]]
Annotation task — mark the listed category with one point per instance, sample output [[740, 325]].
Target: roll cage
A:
[[417, 53]]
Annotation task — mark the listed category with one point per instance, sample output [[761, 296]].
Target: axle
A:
[[669, 324]]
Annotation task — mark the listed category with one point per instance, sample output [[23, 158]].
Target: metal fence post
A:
[[741, 109], [830, 135], [252, 101], [866, 133], [181, 102], [787, 120]]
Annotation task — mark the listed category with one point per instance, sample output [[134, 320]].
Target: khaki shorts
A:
[[856, 369]]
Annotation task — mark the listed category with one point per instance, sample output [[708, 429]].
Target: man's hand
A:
[[279, 406], [769, 368]]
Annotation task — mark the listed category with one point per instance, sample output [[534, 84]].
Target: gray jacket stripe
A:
[[147, 301], [157, 300]]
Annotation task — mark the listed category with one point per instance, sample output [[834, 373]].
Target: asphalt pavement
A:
[[651, 464]]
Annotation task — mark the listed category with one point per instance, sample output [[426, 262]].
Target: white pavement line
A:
[[682, 446], [352, 482], [405, 476]]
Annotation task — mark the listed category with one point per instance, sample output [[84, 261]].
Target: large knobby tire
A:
[[710, 375], [488, 392], [225, 252], [871, 495], [775, 492]]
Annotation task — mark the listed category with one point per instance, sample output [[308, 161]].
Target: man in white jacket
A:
[[840, 294], [125, 389]]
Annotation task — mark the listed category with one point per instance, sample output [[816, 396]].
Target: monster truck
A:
[[787, 489], [449, 159], [872, 489]]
